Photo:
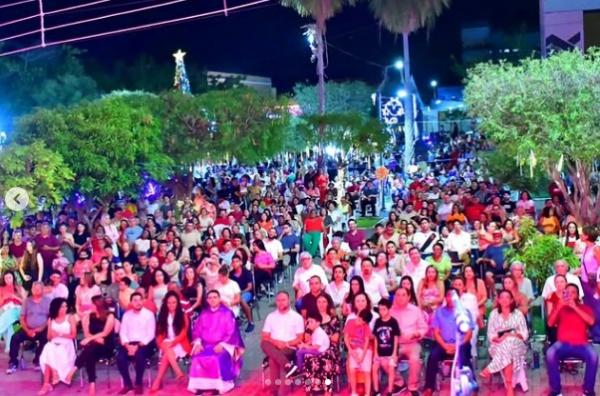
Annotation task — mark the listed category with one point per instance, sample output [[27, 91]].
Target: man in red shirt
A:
[[573, 320], [474, 209]]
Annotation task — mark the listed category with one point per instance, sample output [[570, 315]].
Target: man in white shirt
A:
[[282, 332], [190, 236], [374, 284], [459, 241], [275, 248], [138, 329], [229, 290], [425, 238], [56, 288], [562, 268], [415, 266], [306, 271], [445, 208]]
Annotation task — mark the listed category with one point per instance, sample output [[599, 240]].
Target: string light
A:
[[129, 29], [16, 4]]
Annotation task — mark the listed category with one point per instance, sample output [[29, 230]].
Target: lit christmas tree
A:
[[181, 79]]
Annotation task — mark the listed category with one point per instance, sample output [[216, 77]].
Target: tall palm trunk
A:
[[408, 106], [320, 35]]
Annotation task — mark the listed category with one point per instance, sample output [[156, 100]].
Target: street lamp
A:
[[398, 65], [433, 84], [402, 93]]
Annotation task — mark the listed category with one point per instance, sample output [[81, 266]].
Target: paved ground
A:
[[25, 383]]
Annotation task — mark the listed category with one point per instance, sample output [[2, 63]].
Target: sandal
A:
[[45, 389]]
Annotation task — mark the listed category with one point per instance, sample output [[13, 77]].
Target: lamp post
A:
[[433, 84], [398, 65]]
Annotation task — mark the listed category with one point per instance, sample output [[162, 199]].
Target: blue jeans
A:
[[559, 351]]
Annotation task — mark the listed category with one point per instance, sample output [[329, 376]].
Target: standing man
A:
[[138, 329], [573, 320], [47, 245], [282, 332]]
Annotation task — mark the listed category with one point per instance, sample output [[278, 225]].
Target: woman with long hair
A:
[[357, 285], [407, 283], [549, 223], [159, 288], [264, 265], [192, 291], [509, 283], [385, 271], [171, 338], [338, 288], [571, 238], [84, 293], [430, 292], [325, 365], [12, 296], [507, 333], [31, 267], [590, 260], [476, 286], [57, 360], [98, 341]]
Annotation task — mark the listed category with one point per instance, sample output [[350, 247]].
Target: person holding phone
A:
[[507, 332]]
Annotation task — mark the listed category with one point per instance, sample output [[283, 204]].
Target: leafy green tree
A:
[[321, 11], [38, 170], [342, 97], [344, 130], [245, 124], [546, 112], [47, 78], [500, 165], [108, 143], [405, 17]]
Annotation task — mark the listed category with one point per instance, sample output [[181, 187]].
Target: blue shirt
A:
[[496, 253], [290, 241], [133, 233], [445, 321]]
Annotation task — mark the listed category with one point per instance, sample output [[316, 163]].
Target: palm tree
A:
[[404, 17], [320, 11]]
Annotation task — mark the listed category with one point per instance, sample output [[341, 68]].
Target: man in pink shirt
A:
[[413, 327]]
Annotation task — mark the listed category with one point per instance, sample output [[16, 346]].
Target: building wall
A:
[[568, 24]]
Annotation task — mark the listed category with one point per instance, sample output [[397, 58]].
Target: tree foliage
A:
[[342, 97], [45, 78], [545, 110], [38, 170], [344, 130], [108, 143], [501, 166], [539, 252]]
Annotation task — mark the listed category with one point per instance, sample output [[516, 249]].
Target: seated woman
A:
[[217, 348], [84, 293], [171, 338], [98, 341], [507, 332], [326, 365], [12, 296], [58, 356]]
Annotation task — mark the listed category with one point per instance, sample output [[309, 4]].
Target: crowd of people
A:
[[179, 279]]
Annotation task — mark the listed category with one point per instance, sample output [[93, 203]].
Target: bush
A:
[[539, 252]]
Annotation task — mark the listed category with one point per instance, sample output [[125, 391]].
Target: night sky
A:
[[268, 40]]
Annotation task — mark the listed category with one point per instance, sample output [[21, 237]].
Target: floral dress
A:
[[511, 350], [320, 371]]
